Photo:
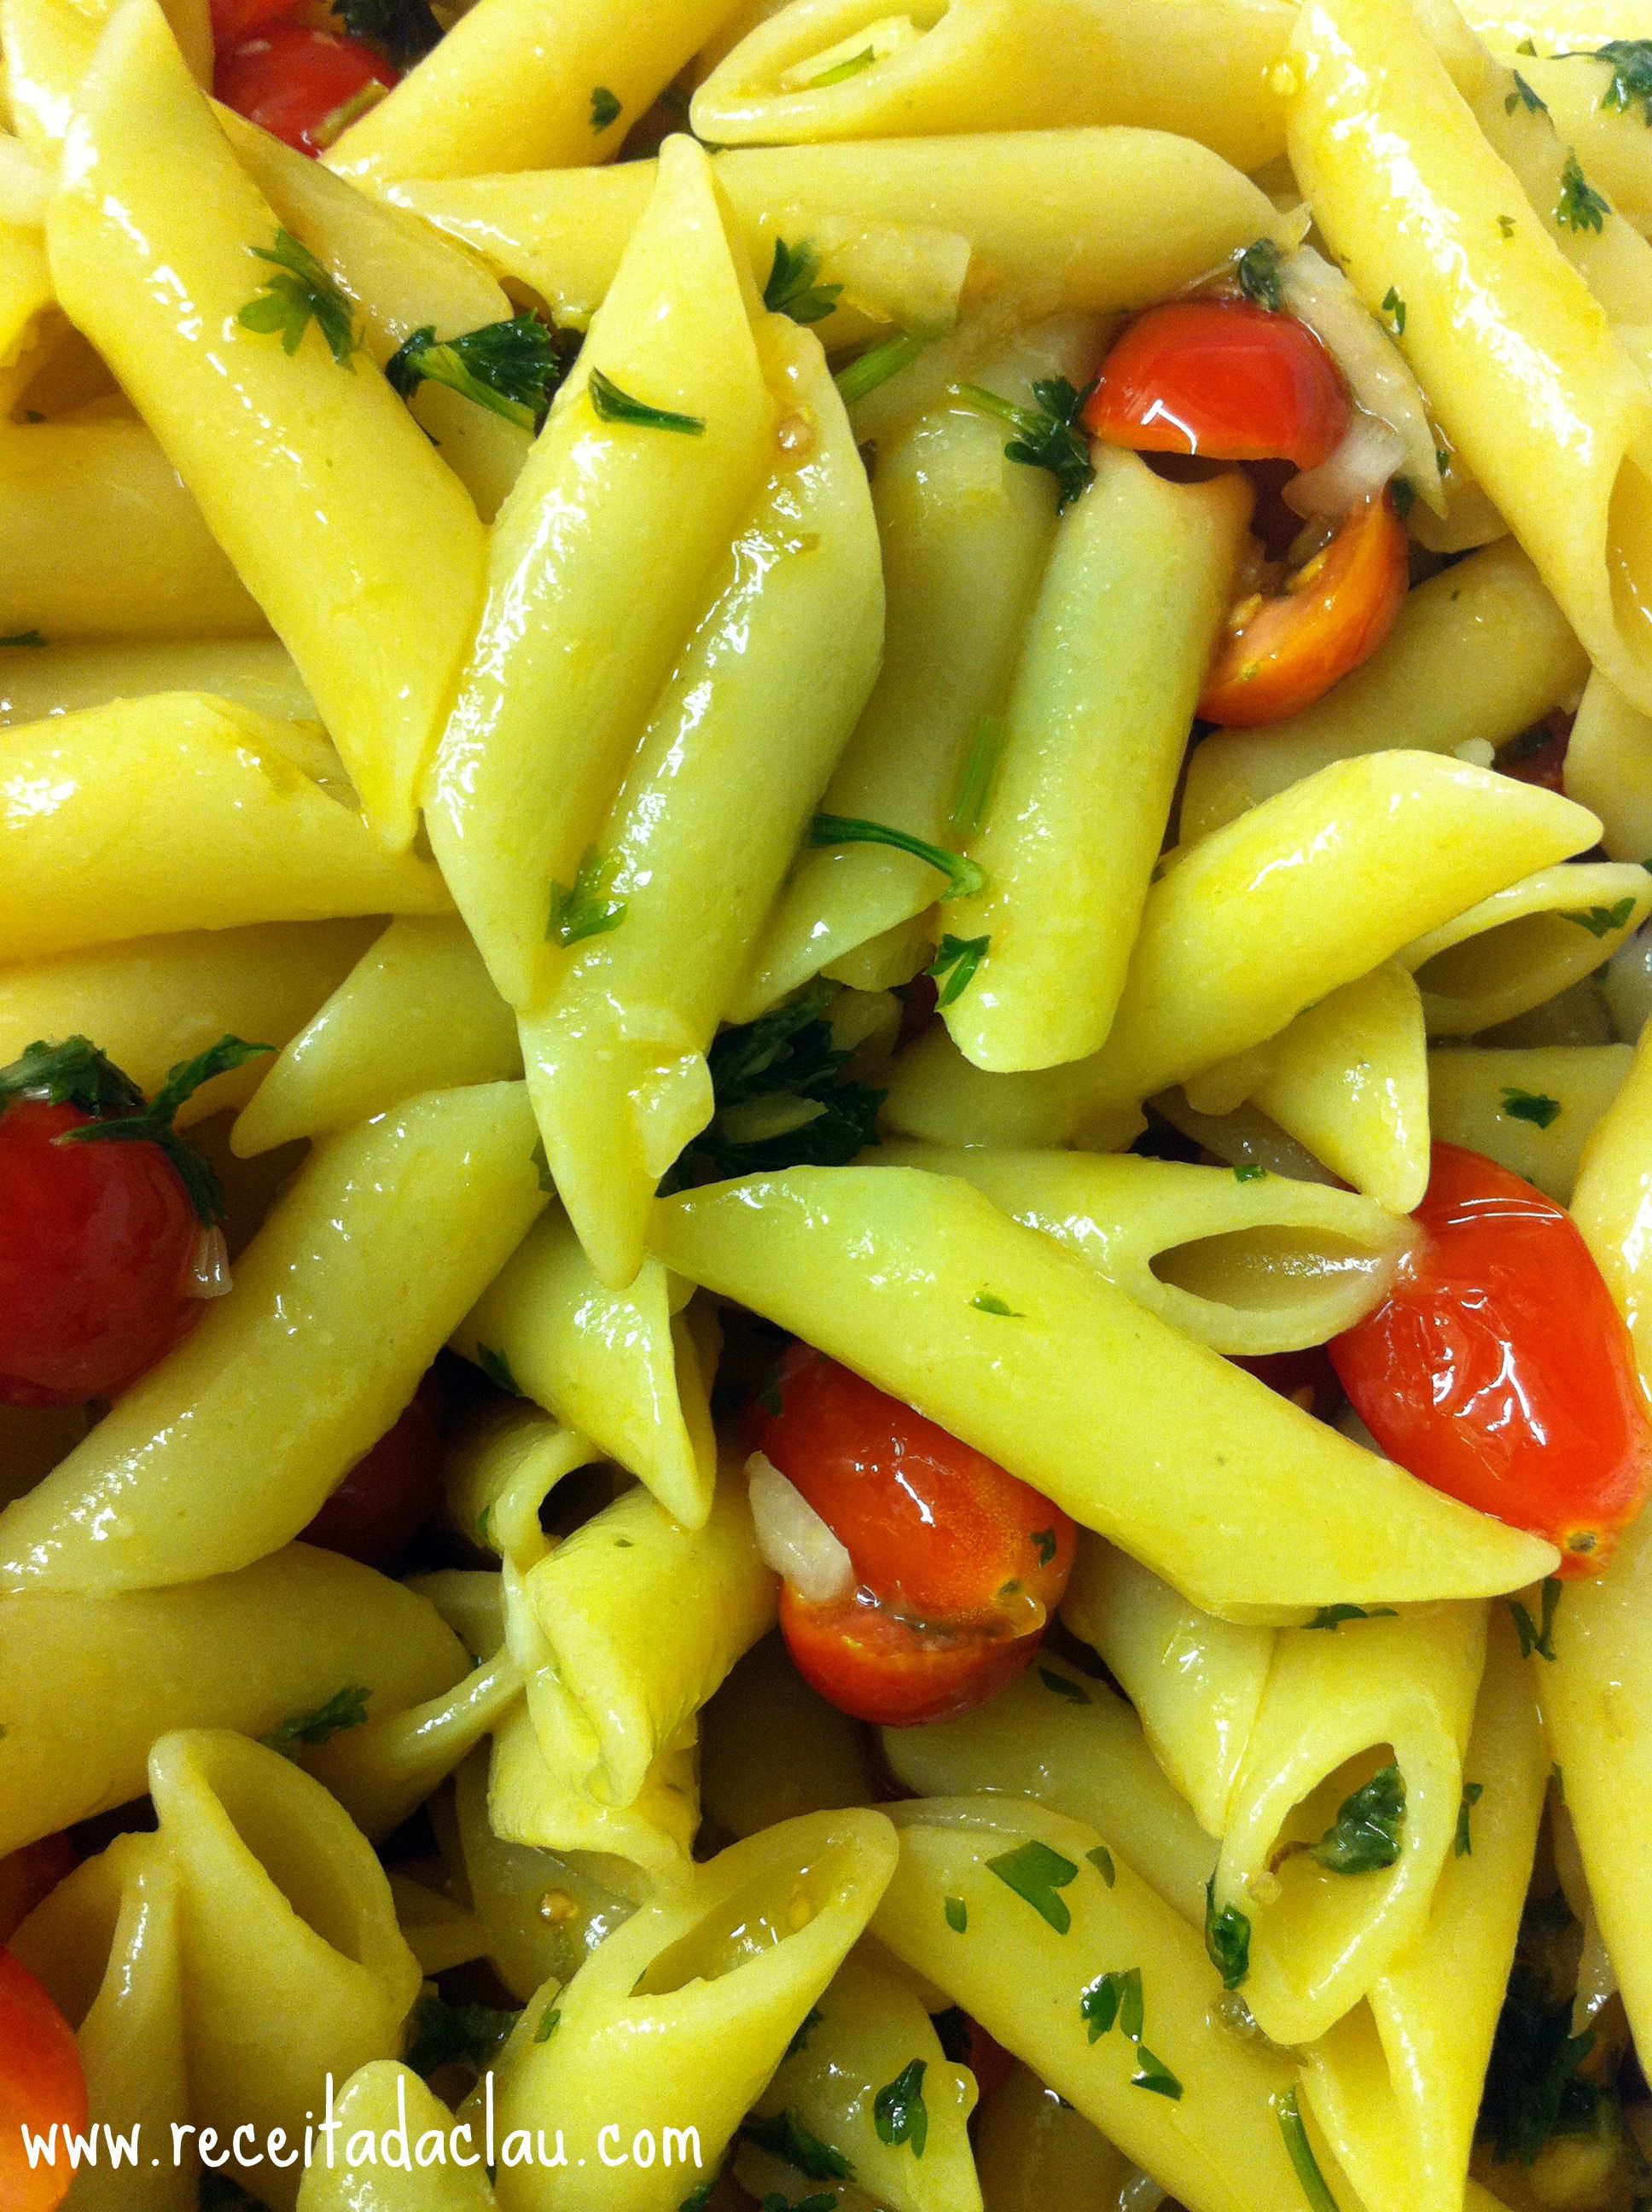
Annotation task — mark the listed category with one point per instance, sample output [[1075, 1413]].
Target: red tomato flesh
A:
[[236, 20], [1499, 1369], [96, 1245], [1222, 379], [388, 1496], [289, 80], [41, 2085], [958, 1564]]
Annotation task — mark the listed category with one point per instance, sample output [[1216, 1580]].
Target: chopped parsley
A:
[[964, 878], [1101, 1859], [1530, 1106], [23, 637], [1473, 1793], [957, 1914], [1534, 2088], [793, 288], [841, 72], [550, 2020], [861, 377], [988, 1302], [1332, 1616], [498, 1369], [541, 1165], [299, 293], [1258, 271], [1506, 225], [1036, 1874], [782, 2134], [587, 908], [1249, 1171], [1227, 1939], [1537, 1636], [605, 110], [980, 774], [954, 966], [1117, 1998], [1403, 493], [1523, 96], [1288, 2113], [345, 1709], [511, 368], [1048, 435], [443, 2035], [1394, 309], [1364, 1838], [1600, 921], [898, 2111], [1579, 207], [1063, 1686], [810, 2021], [1044, 1542], [405, 29], [1630, 84], [613, 406]]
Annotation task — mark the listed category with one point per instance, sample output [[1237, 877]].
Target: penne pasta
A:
[[1526, 944], [1608, 769], [1531, 1109], [381, 2108], [37, 681], [772, 1749]]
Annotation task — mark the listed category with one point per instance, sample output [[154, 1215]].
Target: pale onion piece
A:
[[209, 1270], [1372, 451], [1320, 296], [794, 1539]]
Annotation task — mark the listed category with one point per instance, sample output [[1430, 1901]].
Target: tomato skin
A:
[[30, 1874], [289, 79], [870, 1663], [391, 1492], [1332, 616], [1222, 379], [96, 1245], [41, 2082], [1499, 1369], [1540, 755], [236, 20]]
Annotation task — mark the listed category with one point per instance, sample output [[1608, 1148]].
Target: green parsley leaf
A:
[[1364, 1838], [1288, 2113], [1394, 307], [1048, 435], [861, 377], [811, 2019], [299, 293], [1063, 1686], [1035, 1873], [1101, 1859], [1227, 1939], [442, 2034], [1332, 1616], [964, 878], [1258, 271], [588, 907], [791, 288], [1534, 1636], [1523, 96], [498, 1369], [783, 2135], [72, 1073], [989, 1303], [954, 966], [513, 368], [1631, 82], [1506, 225], [1098, 2005], [1153, 2074], [1600, 921], [980, 774], [404, 28], [605, 110], [953, 2033], [23, 637], [1044, 1542], [1249, 1171], [1403, 493], [613, 406], [541, 1165], [898, 2111], [550, 2020], [841, 72], [957, 1914], [1579, 207], [134, 1123], [345, 1709], [1530, 1106], [1473, 1793]]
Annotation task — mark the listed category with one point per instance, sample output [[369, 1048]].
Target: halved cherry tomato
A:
[[1222, 379], [1539, 755], [28, 1875], [96, 1246], [1282, 652], [236, 20], [387, 1495], [1499, 1369], [958, 1564], [41, 2086], [290, 81]]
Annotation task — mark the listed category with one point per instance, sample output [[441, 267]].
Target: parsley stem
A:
[[1289, 2115], [964, 878], [865, 374]]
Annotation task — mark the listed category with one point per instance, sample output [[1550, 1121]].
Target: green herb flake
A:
[[1630, 85], [980, 774], [587, 908], [1098, 2006], [1537, 1635], [550, 2020], [1227, 1939], [1332, 1616], [1394, 309], [793, 288], [841, 72], [23, 637], [1117, 1997], [1258, 271], [1403, 492], [540, 1164], [1152, 2073], [299, 293], [1579, 207], [1250, 1171], [957, 1914], [1063, 1686], [1473, 1793], [782, 2134], [613, 406], [1506, 225], [988, 1302], [1044, 1542], [861, 377], [1101, 1859], [1049, 435], [406, 29], [1035, 1874], [898, 2111], [345, 1709], [605, 110], [964, 879], [1288, 2113], [1364, 1838], [441, 2034], [511, 369], [1523, 96], [810, 2021], [1600, 921], [498, 1369], [1530, 1106], [956, 959]]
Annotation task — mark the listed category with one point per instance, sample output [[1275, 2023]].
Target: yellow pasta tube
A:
[[1608, 769], [37, 681], [1517, 358], [634, 1849], [294, 1965], [1531, 1108], [229, 1446], [613, 530], [1251, 1263], [1067, 1740], [48, 46], [381, 1773], [682, 2016], [98, 536], [1614, 158], [621, 1367], [1333, 876], [1611, 1203], [500, 1473], [772, 1748], [921, 1284], [154, 1001], [732, 763], [106, 1946], [839, 69], [1526, 944], [1098, 719], [1034, 2150], [1041, 1925], [867, 2032], [418, 1012], [251, 1650], [1196, 1683], [1396, 2084], [350, 532], [398, 2148], [1341, 1705]]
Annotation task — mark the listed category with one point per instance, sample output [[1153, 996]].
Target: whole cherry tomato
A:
[[1222, 379], [1499, 1369], [958, 1565], [1281, 651], [292, 81], [389, 1494], [42, 2086]]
